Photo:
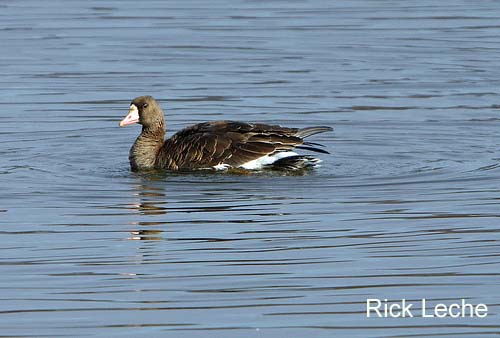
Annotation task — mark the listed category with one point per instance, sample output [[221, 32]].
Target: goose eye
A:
[[145, 105]]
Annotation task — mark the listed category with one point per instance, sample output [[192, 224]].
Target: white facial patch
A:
[[132, 116]]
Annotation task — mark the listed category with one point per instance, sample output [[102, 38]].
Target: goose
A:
[[217, 145]]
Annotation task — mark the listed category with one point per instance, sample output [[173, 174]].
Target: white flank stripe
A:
[[266, 160], [221, 166]]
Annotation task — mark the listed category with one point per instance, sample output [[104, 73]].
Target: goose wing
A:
[[230, 143]]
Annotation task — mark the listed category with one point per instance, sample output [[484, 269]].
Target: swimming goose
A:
[[216, 145]]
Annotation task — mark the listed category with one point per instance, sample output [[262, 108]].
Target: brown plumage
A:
[[210, 144]]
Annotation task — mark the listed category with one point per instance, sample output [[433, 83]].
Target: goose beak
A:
[[132, 116]]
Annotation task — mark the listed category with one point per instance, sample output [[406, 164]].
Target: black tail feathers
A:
[[309, 131]]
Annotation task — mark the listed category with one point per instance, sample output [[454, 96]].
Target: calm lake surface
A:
[[406, 206]]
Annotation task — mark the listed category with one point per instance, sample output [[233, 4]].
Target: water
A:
[[406, 206]]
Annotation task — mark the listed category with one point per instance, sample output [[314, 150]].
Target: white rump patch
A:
[[266, 160]]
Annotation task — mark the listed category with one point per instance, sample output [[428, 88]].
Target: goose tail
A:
[[309, 131]]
